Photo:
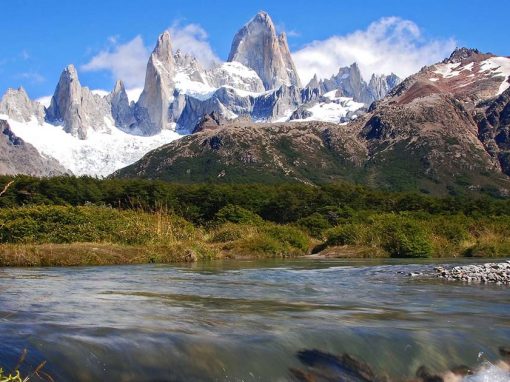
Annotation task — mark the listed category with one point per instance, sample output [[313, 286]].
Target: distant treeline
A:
[[284, 203]]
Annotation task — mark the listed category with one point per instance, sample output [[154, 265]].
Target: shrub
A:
[[236, 214], [315, 225], [405, 238], [347, 234]]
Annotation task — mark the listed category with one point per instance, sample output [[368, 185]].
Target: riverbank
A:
[[45, 235]]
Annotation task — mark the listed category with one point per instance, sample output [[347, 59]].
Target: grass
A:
[[94, 235]]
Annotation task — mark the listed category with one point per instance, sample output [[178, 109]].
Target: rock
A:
[[122, 112], [258, 47], [426, 376], [190, 256], [330, 367], [498, 273], [16, 104], [152, 107], [76, 107], [209, 121]]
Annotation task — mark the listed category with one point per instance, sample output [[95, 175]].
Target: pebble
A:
[[497, 273]]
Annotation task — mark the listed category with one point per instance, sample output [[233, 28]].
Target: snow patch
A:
[[498, 67], [447, 70], [195, 89], [99, 155], [333, 111]]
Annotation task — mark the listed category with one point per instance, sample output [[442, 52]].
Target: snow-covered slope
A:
[[98, 155]]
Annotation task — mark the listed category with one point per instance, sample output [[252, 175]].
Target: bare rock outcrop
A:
[[258, 47], [152, 107], [17, 105], [77, 108]]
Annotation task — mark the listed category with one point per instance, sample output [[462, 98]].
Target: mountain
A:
[[258, 47], [152, 107], [19, 157], [444, 130], [97, 132]]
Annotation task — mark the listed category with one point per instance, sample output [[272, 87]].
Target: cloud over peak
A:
[[128, 61], [125, 61], [390, 44]]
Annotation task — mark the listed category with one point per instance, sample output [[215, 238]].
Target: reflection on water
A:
[[243, 320]]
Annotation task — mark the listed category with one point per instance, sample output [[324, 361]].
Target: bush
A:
[[347, 234], [288, 235], [238, 215], [405, 238], [315, 225]]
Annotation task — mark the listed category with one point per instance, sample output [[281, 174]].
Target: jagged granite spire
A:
[[76, 107], [152, 107], [287, 59], [122, 113], [258, 47], [17, 105]]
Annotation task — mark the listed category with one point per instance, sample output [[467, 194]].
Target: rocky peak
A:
[[152, 107], [461, 54], [258, 47], [17, 105], [380, 84], [314, 82], [163, 49], [122, 112], [76, 107], [287, 59]]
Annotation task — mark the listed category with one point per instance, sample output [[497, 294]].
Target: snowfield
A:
[[500, 67], [99, 155]]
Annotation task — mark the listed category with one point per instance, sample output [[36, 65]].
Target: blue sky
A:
[[42, 37]]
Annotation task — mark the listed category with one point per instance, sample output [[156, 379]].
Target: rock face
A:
[[17, 105], [258, 47], [152, 107], [494, 129], [122, 112], [350, 83], [76, 107], [19, 157], [380, 85]]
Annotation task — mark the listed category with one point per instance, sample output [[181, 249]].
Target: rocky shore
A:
[[497, 273]]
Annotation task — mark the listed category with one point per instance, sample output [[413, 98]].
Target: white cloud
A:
[[32, 77], [45, 101], [388, 45], [126, 62], [193, 39]]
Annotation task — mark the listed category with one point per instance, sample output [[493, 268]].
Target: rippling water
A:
[[243, 321]]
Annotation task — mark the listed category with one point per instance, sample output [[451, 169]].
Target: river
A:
[[244, 320]]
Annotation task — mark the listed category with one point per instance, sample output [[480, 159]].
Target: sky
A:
[[110, 39]]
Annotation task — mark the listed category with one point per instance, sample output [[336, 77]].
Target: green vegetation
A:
[[79, 221]]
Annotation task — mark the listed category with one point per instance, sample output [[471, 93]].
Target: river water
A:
[[243, 320]]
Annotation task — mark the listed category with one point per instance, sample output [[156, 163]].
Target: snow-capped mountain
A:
[[95, 133]]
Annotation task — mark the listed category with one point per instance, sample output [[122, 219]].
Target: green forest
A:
[[55, 221]]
